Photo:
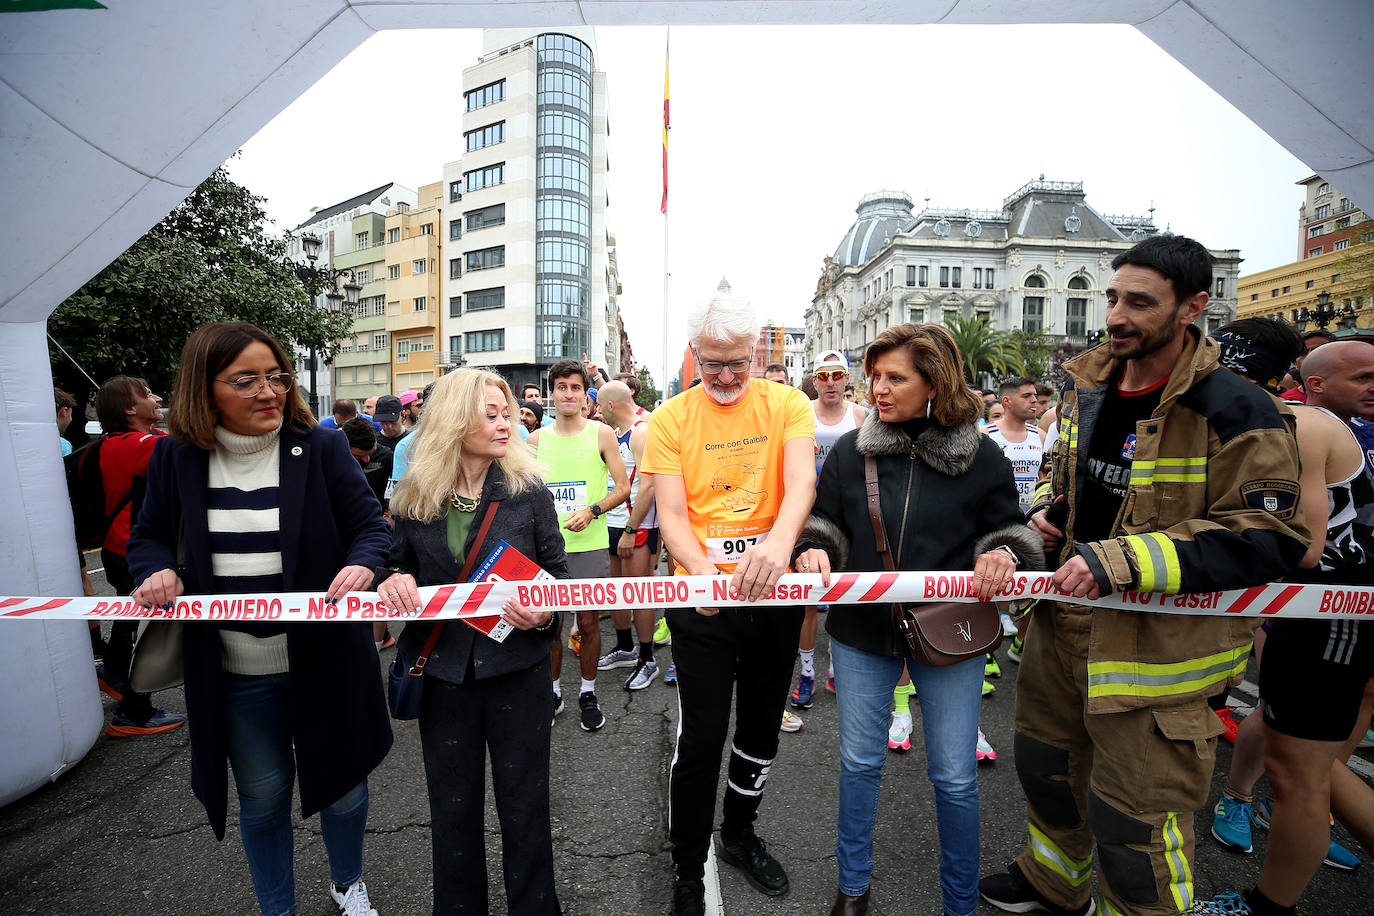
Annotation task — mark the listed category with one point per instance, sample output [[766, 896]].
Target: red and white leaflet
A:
[[503, 564]]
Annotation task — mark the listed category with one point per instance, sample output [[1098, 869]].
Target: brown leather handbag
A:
[[939, 633]]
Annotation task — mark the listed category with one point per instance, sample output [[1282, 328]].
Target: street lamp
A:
[[1322, 314], [317, 279]]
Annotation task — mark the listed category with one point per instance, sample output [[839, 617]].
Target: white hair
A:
[[725, 318]]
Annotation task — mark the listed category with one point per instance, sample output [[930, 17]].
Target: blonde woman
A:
[[479, 695]]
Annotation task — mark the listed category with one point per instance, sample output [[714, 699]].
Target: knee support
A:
[[1129, 872], [1044, 772], [747, 774]]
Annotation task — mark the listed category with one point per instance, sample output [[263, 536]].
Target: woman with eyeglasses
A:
[[248, 496]]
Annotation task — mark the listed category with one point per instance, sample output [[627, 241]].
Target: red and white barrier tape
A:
[[484, 599]]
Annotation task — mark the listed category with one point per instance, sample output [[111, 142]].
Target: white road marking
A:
[[714, 906]]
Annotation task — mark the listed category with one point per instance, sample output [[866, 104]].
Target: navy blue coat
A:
[[329, 519]]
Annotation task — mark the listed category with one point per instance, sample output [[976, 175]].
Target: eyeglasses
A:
[[831, 375], [736, 366], [248, 386]]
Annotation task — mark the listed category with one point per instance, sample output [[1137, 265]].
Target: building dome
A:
[[881, 215]]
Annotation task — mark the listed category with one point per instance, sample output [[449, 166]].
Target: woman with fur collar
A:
[[948, 503]]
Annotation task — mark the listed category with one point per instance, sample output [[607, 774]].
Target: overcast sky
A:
[[778, 131]]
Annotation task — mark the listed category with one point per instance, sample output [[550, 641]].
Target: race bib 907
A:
[[727, 546]]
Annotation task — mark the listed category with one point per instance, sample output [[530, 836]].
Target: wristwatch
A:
[[596, 510], [628, 530]]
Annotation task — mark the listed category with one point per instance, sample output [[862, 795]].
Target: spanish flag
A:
[[663, 206]]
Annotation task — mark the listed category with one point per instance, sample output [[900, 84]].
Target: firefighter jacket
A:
[[1212, 504]]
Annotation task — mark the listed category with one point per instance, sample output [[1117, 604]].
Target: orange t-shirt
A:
[[730, 461]]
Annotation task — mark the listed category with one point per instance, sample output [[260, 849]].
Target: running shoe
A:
[[159, 721], [557, 703], [642, 675], [661, 635], [1010, 892], [991, 668], [1008, 625], [1231, 826], [670, 676], [592, 719], [387, 640], [803, 693], [109, 685], [689, 897], [899, 735], [1368, 739], [1014, 650], [1228, 722], [985, 752], [1337, 856], [617, 658], [830, 679], [575, 642], [353, 900], [790, 723], [1229, 904], [750, 855], [988, 688]]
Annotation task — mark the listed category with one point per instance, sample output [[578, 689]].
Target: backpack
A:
[[86, 489]]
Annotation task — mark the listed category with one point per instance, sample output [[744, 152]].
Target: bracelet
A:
[[547, 625], [1015, 560]]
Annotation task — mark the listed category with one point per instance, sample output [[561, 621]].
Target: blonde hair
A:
[[455, 408]]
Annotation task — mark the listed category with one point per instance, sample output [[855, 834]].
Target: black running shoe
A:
[[689, 897], [749, 854], [592, 719]]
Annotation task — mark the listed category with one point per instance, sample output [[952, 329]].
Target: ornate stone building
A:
[[1041, 263]]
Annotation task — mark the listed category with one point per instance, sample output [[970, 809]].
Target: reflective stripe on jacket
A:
[[1212, 504]]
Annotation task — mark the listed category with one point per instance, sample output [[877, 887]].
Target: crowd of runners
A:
[[1162, 460]]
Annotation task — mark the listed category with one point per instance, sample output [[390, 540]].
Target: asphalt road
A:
[[120, 833]]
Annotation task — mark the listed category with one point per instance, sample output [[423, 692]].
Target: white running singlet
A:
[[619, 517], [827, 436], [1025, 461]]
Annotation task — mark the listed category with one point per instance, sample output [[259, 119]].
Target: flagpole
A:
[[667, 379]]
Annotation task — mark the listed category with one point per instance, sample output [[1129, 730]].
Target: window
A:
[[483, 299], [494, 215], [987, 278], [362, 275], [1254, 297], [1313, 252], [944, 276], [957, 273], [1315, 231], [1221, 288], [1287, 290], [417, 266], [484, 259], [1324, 188], [427, 229], [419, 304], [486, 95], [485, 136], [911, 275], [488, 177], [393, 271], [1335, 278], [455, 229], [1341, 223], [393, 235], [977, 278], [1273, 293], [1308, 285], [1033, 314], [950, 315], [916, 316], [403, 349], [1341, 245], [486, 341], [455, 268], [361, 240], [455, 306], [1323, 211], [379, 341], [455, 191], [924, 276], [455, 348]]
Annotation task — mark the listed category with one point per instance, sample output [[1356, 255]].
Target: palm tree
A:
[[983, 347]]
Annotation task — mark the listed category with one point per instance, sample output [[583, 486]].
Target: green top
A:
[[577, 478], [459, 524]]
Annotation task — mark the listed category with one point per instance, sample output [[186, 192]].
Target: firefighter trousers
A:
[[1130, 780]]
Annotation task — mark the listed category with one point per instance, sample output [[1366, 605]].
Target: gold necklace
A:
[[462, 503]]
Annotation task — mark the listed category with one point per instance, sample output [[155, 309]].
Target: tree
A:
[[1356, 271], [982, 346], [648, 394], [210, 259], [1029, 353]]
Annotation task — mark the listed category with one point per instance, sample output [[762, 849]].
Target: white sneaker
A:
[[1008, 625], [899, 735], [353, 902], [985, 753], [642, 676], [790, 722]]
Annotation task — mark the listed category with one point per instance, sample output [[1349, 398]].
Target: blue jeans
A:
[[950, 699], [257, 719]]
